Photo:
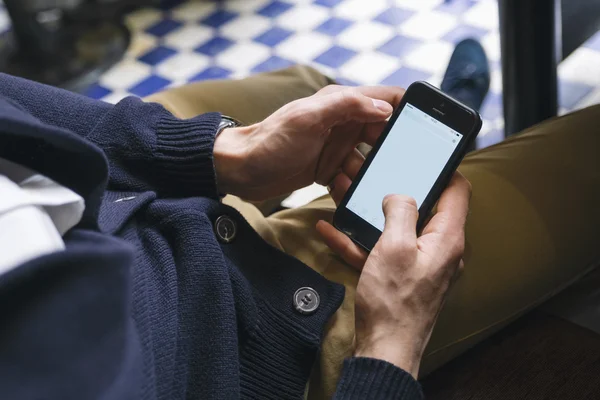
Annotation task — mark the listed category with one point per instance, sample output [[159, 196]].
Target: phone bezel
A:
[[430, 100]]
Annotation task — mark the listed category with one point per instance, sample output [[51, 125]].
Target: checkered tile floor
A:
[[390, 42]]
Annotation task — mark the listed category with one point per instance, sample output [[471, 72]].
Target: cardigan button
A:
[[306, 300], [226, 229]]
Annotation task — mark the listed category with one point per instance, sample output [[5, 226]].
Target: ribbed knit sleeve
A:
[[148, 149], [183, 154], [367, 378]]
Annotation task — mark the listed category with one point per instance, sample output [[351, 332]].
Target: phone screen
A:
[[409, 161]]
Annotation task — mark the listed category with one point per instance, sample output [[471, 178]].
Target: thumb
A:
[[401, 215], [351, 105]]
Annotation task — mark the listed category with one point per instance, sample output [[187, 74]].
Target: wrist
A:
[[229, 157]]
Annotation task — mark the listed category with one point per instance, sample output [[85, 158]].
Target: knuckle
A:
[[298, 114], [351, 98], [457, 249], [409, 202], [330, 89], [401, 201]]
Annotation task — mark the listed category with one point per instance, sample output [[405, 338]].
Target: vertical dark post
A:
[[531, 40]]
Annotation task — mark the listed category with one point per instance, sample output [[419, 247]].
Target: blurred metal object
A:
[[50, 42], [531, 42]]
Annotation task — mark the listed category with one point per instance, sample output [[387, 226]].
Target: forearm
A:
[[148, 149]]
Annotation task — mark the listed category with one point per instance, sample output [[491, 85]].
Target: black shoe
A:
[[467, 78]]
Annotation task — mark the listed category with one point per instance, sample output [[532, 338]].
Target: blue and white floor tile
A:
[[391, 42]]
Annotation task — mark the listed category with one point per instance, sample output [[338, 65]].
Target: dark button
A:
[[306, 300], [226, 229]]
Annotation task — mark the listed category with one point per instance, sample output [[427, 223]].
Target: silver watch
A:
[[227, 122]]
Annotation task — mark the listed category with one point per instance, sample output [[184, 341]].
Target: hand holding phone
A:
[[408, 273], [406, 277], [416, 155]]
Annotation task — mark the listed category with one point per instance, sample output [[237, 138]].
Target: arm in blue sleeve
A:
[[146, 146], [368, 378]]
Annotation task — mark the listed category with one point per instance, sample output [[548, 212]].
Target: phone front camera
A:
[[442, 105]]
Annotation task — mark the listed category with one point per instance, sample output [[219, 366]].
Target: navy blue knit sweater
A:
[[145, 302]]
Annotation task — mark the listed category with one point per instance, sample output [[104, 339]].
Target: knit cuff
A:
[[368, 378], [184, 153]]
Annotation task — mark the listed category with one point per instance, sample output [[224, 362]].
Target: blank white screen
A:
[[409, 162]]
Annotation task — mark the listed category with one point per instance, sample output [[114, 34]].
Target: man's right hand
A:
[[405, 279]]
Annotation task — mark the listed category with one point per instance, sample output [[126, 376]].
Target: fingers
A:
[[444, 236], [401, 215], [390, 94], [372, 131], [338, 187], [342, 245], [452, 208], [342, 181], [353, 163], [349, 105]]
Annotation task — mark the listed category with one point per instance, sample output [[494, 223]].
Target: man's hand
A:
[[405, 279], [306, 141]]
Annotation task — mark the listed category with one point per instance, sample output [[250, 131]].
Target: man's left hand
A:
[[309, 140]]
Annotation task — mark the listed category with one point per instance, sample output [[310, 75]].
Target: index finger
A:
[[452, 208], [390, 94], [347, 105]]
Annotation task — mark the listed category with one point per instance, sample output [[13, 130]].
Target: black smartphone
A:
[[416, 155]]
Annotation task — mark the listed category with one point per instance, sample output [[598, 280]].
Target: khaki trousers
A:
[[533, 228]]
